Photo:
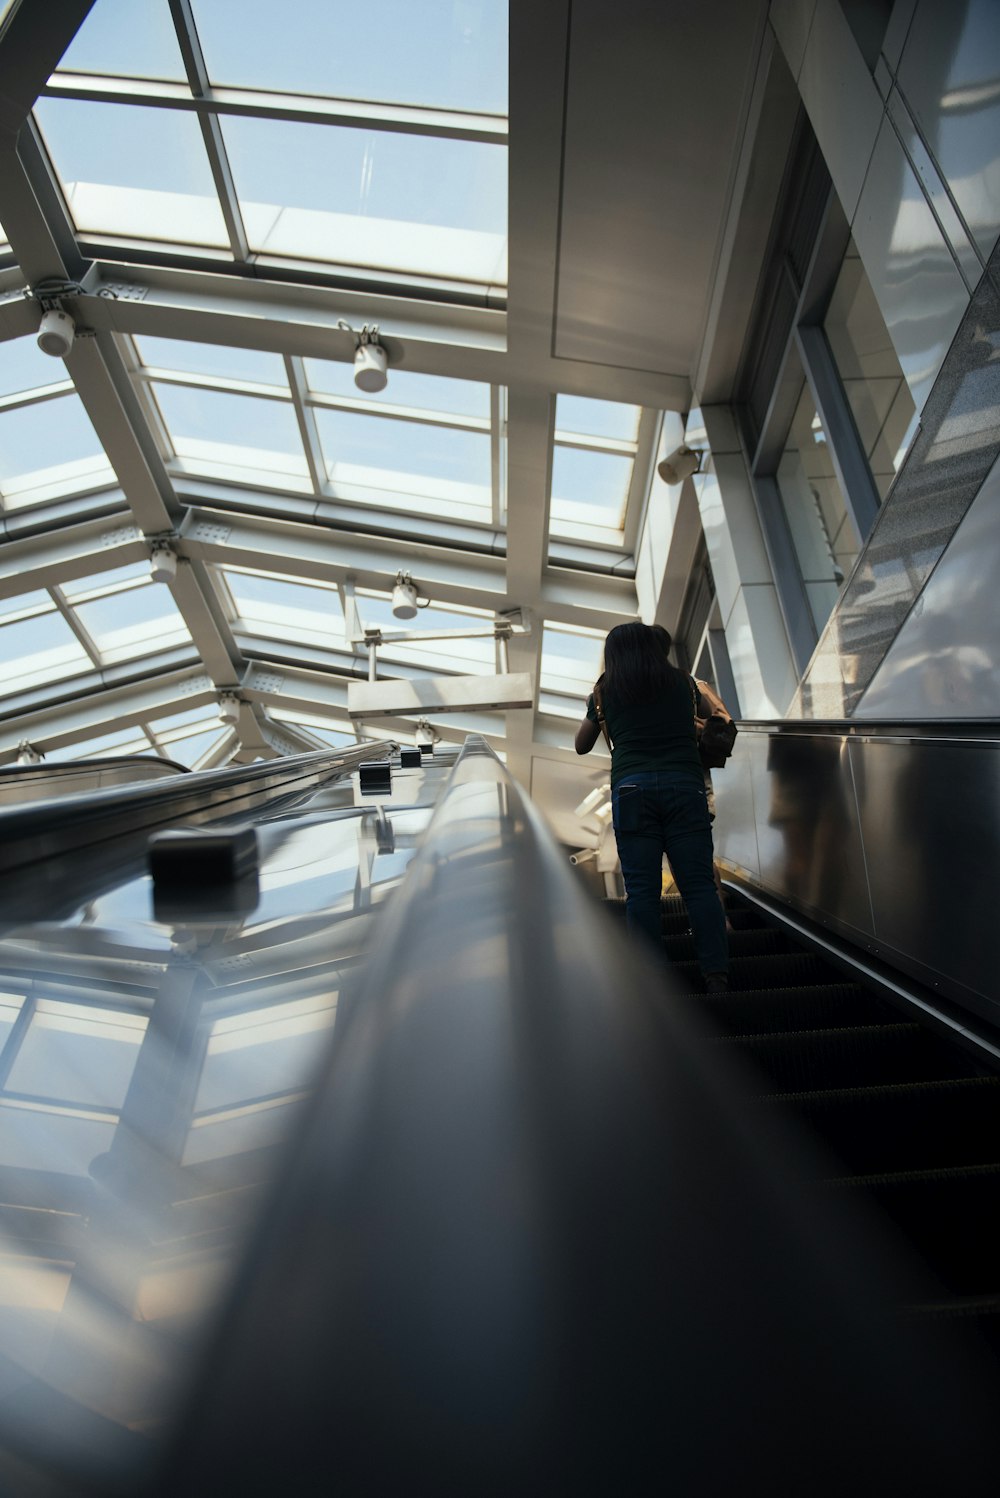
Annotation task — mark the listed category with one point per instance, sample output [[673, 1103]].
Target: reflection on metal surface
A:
[[884, 835], [19, 783], [149, 1070]]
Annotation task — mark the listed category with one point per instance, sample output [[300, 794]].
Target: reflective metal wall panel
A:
[[735, 829], [930, 819], [945, 661], [950, 73]]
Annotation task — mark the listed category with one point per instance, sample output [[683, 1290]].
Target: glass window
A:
[[476, 656], [408, 456], [122, 741], [423, 392], [138, 172], [36, 650], [213, 359], [264, 1052], [876, 388], [105, 582], [10, 1007], [33, 1137], [571, 659], [46, 449], [126, 40], [824, 535], [589, 488], [435, 53], [76, 1053], [188, 751], [24, 367], [126, 624], [582, 416], [286, 610], [339, 738], [213, 429], [373, 198]]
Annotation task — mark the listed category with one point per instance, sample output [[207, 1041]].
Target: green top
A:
[[655, 735]]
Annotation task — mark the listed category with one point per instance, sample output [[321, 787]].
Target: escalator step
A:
[[825, 1007], [676, 921], [742, 943], [774, 970], [952, 1219], [910, 1126], [862, 1055]]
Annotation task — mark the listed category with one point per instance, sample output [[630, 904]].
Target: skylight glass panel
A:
[[184, 721], [121, 741], [216, 360], [338, 738], [422, 392], [426, 205], [581, 416], [188, 751], [589, 487], [475, 657], [26, 603], [438, 53], [134, 172], [24, 367], [571, 659], [406, 456], [127, 40], [115, 577], [215, 430], [48, 448], [78, 1053], [286, 610], [38, 650], [124, 625]]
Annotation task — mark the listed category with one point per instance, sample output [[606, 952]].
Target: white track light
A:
[[229, 707], [404, 597], [679, 464], [162, 562], [55, 333]]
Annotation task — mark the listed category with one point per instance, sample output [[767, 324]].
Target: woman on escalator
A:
[[657, 790]]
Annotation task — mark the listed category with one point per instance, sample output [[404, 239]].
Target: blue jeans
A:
[[657, 812]]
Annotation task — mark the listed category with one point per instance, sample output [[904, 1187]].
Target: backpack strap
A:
[[599, 709]]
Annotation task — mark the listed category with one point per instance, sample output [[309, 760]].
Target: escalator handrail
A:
[[57, 826]]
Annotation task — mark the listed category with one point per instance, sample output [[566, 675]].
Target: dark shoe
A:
[[716, 983]]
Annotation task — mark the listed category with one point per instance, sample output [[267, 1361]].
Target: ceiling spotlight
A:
[[424, 736], [229, 707], [55, 333], [162, 562], [370, 358], [404, 597], [27, 754], [680, 464]]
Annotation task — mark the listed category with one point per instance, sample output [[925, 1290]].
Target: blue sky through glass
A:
[[231, 421], [127, 40], [424, 454], [422, 391], [23, 366], [436, 52], [594, 418], [597, 480], [372, 173], [37, 438], [213, 359]]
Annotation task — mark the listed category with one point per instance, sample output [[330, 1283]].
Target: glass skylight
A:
[[472, 657], [571, 659], [415, 458], [127, 624], [127, 40], [40, 649], [282, 609], [434, 53], [218, 361], [593, 457], [121, 741], [422, 392], [426, 205], [220, 432], [48, 448], [76, 1053], [23, 367], [133, 171]]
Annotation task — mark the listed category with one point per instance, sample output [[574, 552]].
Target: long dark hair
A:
[[635, 663]]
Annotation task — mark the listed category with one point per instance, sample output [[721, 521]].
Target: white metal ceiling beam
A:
[[67, 552], [89, 714]]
